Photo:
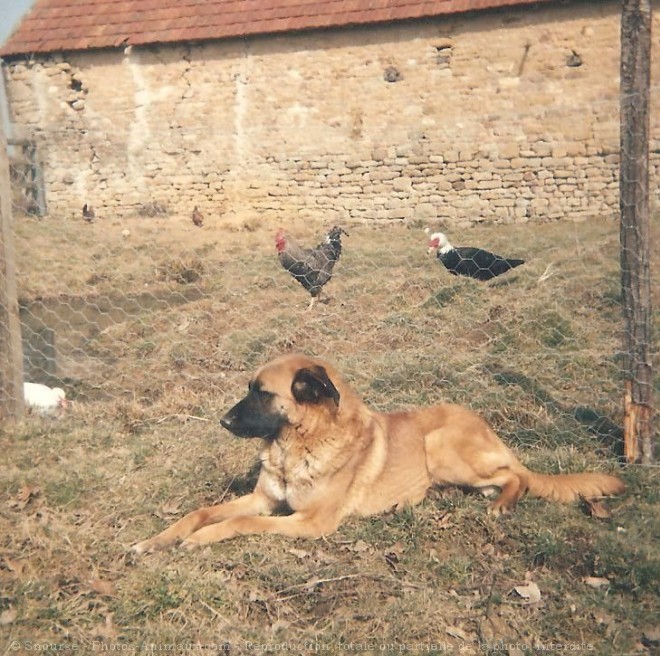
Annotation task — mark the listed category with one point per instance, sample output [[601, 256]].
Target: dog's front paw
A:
[[142, 547], [148, 546], [189, 544]]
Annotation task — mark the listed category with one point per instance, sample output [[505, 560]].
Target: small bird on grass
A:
[[197, 217], [88, 213], [44, 400], [470, 261]]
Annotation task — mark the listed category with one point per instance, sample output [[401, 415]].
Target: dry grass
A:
[[157, 333]]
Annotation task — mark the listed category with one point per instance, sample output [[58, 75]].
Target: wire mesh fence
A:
[[149, 291], [161, 289], [149, 316]]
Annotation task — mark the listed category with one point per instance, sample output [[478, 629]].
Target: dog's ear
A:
[[313, 385]]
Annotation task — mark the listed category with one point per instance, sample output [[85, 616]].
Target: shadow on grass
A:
[[245, 483], [609, 433]]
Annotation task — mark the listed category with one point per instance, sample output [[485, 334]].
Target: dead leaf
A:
[[8, 616], [651, 637], [27, 492], [324, 557], [392, 554], [392, 560], [595, 581], [445, 521], [15, 566], [457, 632], [168, 510], [171, 508], [24, 496], [256, 595], [299, 553], [359, 547], [103, 587], [529, 591], [597, 508], [488, 549], [397, 548], [602, 618]]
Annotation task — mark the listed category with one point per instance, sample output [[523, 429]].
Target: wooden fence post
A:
[[11, 353], [635, 229]]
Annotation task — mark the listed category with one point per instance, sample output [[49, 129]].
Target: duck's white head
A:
[[438, 242]]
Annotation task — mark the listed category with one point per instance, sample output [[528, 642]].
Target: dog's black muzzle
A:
[[252, 417]]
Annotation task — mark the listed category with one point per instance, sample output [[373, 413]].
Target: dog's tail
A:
[[566, 488]]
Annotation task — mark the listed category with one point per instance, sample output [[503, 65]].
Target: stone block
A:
[[425, 211], [489, 184]]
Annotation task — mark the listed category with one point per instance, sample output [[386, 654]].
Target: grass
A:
[[157, 334]]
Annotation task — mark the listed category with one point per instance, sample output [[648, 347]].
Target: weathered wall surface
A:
[[507, 116]]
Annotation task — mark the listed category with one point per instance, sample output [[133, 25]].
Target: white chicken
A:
[[43, 399]]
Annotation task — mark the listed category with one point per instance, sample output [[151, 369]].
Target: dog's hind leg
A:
[[512, 488], [476, 459]]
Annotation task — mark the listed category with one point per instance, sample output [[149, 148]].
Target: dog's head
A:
[[280, 394]]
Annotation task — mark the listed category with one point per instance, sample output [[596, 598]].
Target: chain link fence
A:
[[148, 316]]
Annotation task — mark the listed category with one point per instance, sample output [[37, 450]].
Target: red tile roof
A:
[[54, 25]]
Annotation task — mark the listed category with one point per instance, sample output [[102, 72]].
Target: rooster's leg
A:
[[311, 303]]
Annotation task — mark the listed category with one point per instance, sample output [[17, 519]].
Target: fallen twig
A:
[[180, 416], [549, 271]]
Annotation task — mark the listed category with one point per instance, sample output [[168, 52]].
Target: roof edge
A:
[[266, 28]]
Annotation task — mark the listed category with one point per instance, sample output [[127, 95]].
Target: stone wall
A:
[[490, 116]]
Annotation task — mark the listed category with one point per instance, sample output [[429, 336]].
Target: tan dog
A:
[[327, 455]]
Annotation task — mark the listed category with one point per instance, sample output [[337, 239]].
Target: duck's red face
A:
[[280, 240], [434, 244], [437, 242]]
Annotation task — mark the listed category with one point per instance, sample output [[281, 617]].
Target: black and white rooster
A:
[[469, 261], [311, 267]]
